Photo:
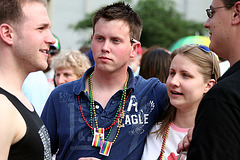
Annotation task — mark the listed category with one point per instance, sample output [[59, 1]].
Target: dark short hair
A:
[[229, 2], [11, 10], [121, 11]]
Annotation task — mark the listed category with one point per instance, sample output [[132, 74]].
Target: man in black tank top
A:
[[25, 38]]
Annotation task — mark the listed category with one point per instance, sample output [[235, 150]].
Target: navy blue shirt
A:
[[72, 136]]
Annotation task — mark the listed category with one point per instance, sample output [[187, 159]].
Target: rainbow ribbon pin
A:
[[98, 137], [105, 148]]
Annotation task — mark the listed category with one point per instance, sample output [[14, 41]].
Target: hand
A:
[[183, 145], [88, 158]]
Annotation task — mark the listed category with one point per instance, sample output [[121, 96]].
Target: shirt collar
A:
[[230, 71], [80, 85]]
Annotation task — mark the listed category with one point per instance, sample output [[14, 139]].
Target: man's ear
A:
[[6, 33], [136, 46], [236, 13]]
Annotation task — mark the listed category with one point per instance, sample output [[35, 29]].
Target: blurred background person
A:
[[49, 72], [88, 52], [90, 56], [69, 66], [155, 63], [35, 87], [193, 71]]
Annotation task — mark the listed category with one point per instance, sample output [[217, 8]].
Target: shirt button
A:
[[97, 106]]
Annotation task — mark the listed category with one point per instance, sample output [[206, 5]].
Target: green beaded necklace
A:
[[117, 115], [98, 133]]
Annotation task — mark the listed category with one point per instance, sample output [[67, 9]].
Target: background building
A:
[[193, 9], [64, 13]]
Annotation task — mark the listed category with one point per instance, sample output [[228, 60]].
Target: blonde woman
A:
[[193, 71], [69, 66]]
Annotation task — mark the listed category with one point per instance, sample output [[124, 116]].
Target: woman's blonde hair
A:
[[74, 59]]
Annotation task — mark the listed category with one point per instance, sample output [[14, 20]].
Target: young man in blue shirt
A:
[[108, 113]]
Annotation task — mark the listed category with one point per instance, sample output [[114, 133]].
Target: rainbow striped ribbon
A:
[[105, 148], [98, 137]]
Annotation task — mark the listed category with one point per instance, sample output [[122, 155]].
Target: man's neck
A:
[[110, 80], [104, 87], [11, 81]]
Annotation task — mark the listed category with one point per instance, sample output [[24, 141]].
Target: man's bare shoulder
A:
[[12, 126], [6, 107]]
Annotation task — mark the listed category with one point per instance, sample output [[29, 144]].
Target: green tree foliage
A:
[[162, 24], [86, 23]]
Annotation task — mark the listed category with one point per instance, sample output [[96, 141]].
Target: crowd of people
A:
[[117, 99]]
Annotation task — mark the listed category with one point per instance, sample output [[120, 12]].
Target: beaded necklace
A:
[[164, 142], [122, 103], [98, 133]]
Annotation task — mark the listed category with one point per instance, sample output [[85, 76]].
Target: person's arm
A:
[[9, 126]]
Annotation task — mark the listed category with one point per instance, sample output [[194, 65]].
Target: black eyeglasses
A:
[[210, 11], [207, 50]]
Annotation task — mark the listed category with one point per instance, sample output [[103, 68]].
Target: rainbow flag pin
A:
[[98, 137], [105, 148]]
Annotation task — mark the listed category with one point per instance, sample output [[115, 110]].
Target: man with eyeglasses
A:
[[217, 124]]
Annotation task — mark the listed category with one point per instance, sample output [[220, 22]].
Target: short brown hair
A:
[[121, 11], [229, 2], [11, 10]]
